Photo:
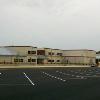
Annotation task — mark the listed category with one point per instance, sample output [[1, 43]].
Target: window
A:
[[60, 54], [49, 53], [20, 60], [52, 60], [33, 60], [29, 52], [98, 52], [49, 60], [52, 53], [40, 52], [58, 60], [15, 60], [33, 52], [29, 60]]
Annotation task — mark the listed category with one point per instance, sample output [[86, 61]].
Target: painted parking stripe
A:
[[94, 76], [81, 78], [54, 76], [62, 73], [28, 79]]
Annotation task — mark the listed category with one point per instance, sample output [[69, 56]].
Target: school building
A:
[[45, 56]]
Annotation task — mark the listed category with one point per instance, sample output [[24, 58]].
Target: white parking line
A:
[[62, 73], [54, 76], [88, 75], [81, 78], [93, 76], [28, 79]]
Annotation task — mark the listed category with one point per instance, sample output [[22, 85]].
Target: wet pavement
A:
[[50, 84]]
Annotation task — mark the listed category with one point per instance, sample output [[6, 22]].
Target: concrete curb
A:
[[42, 66]]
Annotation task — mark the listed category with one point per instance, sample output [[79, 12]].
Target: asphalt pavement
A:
[[50, 84]]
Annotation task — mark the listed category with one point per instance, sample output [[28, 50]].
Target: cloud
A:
[[55, 23]]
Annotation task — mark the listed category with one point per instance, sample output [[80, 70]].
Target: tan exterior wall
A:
[[8, 59], [69, 56], [5, 59], [73, 60], [79, 56], [22, 50], [11, 60], [31, 57], [88, 53], [52, 56]]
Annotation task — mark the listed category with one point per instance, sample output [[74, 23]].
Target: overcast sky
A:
[[63, 24]]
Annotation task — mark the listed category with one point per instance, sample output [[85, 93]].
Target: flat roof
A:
[[79, 50], [20, 46]]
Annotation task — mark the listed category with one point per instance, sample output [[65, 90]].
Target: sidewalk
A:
[[33, 66]]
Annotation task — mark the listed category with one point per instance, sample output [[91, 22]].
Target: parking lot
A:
[[50, 84]]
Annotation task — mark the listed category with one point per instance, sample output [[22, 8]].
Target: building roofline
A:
[[19, 46], [14, 55], [56, 49], [79, 50], [47, 48]]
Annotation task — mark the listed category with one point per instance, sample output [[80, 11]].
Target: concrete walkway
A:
[[31, 66]]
